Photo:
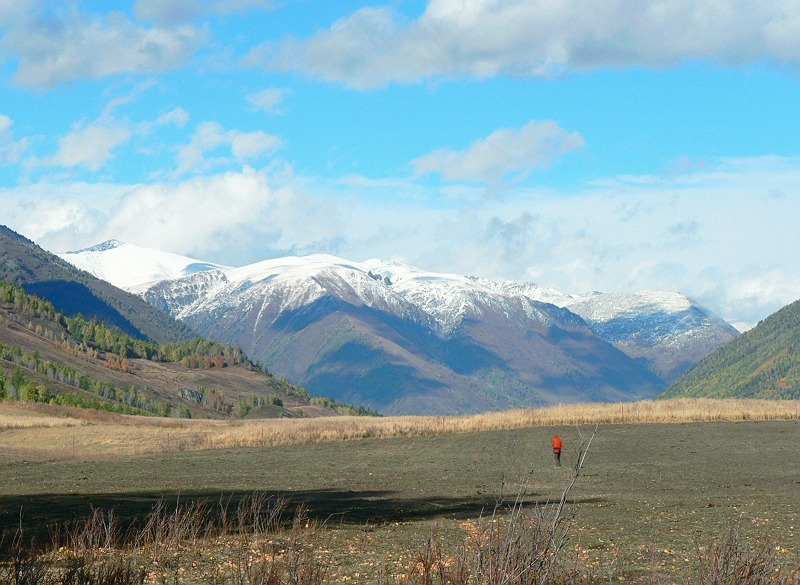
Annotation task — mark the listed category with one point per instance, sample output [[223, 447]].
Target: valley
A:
[[650, 500]]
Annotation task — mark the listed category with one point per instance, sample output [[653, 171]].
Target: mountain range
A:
[[399, 339]]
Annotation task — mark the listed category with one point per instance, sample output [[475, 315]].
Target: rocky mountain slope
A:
[[402, 340], [664, 328]]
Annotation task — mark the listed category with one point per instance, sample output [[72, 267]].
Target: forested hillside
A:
[[74, 291], [46, 356], [762, 363]]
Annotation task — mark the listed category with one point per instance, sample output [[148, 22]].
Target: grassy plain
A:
[[651, 496]]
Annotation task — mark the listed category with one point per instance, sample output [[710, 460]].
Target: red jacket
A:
[[557, 444]]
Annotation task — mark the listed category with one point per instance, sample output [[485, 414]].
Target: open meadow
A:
[[665, 487]]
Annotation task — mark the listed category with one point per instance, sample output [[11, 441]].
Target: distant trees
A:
[[132, 400], [24, 371], [344, 409], [96, 338]]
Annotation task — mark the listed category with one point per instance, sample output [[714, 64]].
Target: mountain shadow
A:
[[359, 374], [24, 264], [71, 298]]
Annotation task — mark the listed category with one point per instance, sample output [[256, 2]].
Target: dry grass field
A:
[[42, 430], [683, 491]]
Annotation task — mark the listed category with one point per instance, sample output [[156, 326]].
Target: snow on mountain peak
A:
[[605, 307], [403, 289], [102, 247], [132, 267]]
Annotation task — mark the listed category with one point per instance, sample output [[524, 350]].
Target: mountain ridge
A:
[[402, 339]]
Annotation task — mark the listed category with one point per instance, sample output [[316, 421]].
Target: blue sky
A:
[[610, 146]]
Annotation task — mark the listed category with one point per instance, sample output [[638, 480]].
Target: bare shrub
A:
[[23, 567], [99, 530], [731, 560], [82, 570], [165, 530], [258, 546], [259, 514]]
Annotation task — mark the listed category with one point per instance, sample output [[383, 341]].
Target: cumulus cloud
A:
[[503, 153], [184, 216], [478, 38], [64, 45], [224, 146], [89, 146]]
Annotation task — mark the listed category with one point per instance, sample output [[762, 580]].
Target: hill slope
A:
[[763, 362], [46, 357], [74, 291]]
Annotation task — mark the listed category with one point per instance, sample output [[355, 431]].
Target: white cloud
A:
[[171, 11], [13, 11], [252, 145], [504, 152], [192, 214], [177, 117], [485, 38], [269, 100], [11, 151], [229, 146], [64, 45], [90, 146], [58, 215]]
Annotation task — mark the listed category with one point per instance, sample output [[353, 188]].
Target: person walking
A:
[[557, 445]]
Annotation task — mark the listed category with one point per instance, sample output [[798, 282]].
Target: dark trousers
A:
[[557, 456]]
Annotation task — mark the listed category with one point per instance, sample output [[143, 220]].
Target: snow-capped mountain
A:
[[667, 329], [400, 339], [131, 267]]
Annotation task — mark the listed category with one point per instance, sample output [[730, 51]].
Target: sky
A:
[[614, 146]]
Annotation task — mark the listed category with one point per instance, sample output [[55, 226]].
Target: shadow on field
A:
[[37, 513]]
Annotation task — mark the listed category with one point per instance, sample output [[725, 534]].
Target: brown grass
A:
[[26, 415], [65, 432]]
